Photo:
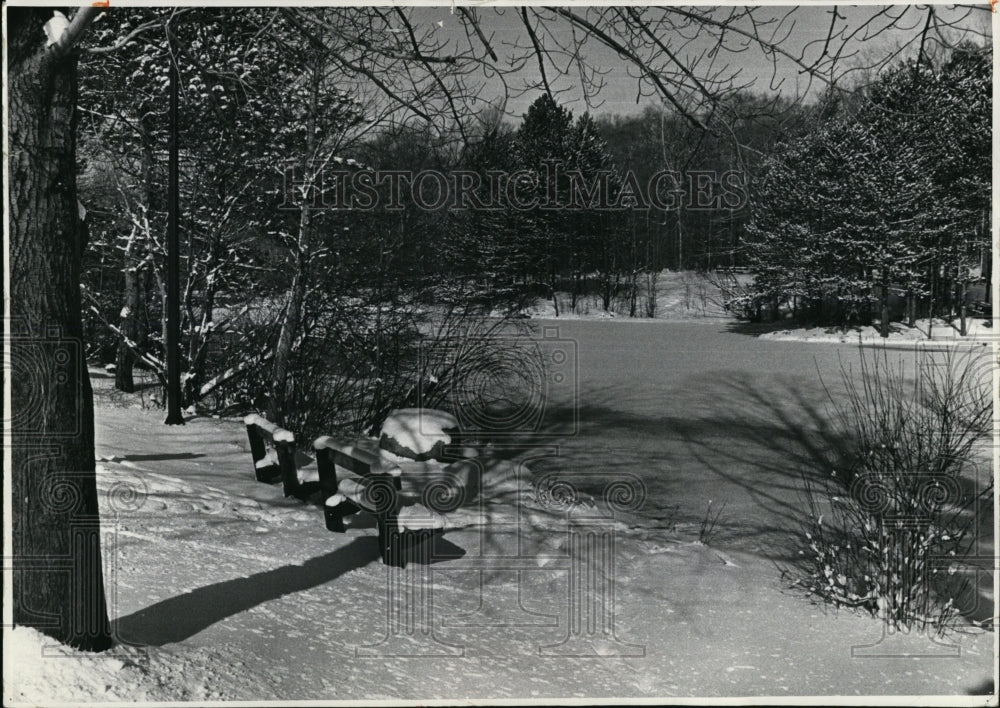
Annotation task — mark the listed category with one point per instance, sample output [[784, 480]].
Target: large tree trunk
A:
[[58, 585]]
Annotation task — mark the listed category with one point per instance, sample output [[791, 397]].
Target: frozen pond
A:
[[701, 412]]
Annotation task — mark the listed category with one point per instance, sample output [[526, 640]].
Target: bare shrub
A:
[[708, 523], [355, 361], [888, 533]]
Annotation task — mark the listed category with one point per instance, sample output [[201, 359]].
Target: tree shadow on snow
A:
[[178, 618], [726, 438]]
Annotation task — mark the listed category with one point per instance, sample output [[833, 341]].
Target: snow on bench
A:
[[356, 492], [419, 518], [272, 431], [359, 456], [273, 451], [417, 433], [414, 517], [375, 490]]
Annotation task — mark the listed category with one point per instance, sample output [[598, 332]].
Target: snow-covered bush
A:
[[900, 566], [889, 534]]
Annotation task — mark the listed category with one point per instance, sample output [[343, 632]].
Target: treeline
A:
[[881, 211], [291, 300], [644, 192]]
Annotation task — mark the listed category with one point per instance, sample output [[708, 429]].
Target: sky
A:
[[805, 31]]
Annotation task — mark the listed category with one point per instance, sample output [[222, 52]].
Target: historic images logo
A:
[[552, 188]]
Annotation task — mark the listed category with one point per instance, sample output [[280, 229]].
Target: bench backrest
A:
[[332, 452], [263, 433]]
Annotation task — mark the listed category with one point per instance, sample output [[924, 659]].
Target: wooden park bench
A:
[[375, 490], [280, 465]]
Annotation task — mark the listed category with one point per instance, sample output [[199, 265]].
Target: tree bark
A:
[[125, 361], [58, 585], [136, 278], [930, 301], [989, 274], [198, 345], [552, 286], [289, 329], [884, 298], [963, 323], [297, 292]]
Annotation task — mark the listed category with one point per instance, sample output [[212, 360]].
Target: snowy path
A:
[[237, 593]]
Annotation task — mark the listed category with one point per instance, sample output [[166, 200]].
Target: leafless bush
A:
[[357, 361], [708, 523], [927, 422], [887, 533]]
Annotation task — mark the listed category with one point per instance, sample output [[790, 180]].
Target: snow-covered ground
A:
[[223, 590], [689, 296], [978, 332], [681, 296]]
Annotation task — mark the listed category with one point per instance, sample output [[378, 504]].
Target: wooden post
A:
[[332, 514], [327, 473], [258, 452], [382, 487], [286, 464]]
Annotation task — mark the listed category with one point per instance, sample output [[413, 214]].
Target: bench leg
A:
[[289, 472], [327, 473], [335, 515], [258, 451], [389, 542], [396, 546]]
